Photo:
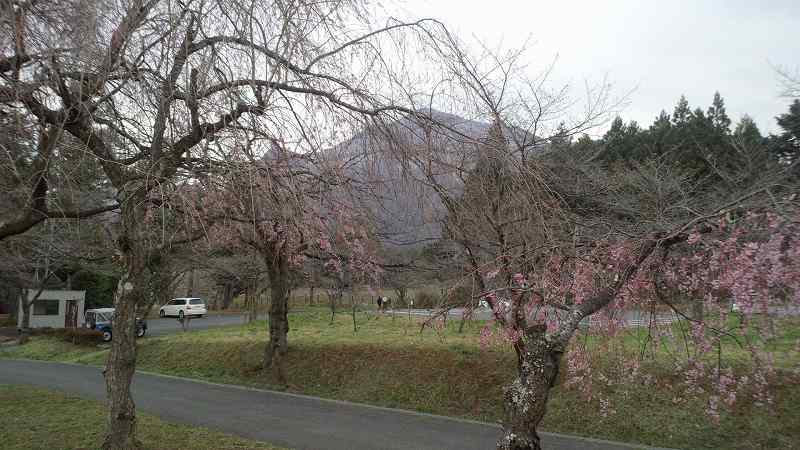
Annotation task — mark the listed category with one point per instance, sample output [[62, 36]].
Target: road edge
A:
[[348, 403]]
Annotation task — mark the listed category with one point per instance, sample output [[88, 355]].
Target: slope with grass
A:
[[389, 362]]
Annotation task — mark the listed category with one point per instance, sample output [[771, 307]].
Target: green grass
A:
[[35, 419], [648, 415], [783, 346], [390, 363], [50, 348]]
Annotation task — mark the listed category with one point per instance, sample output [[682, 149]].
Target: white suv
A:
[[181, 307]]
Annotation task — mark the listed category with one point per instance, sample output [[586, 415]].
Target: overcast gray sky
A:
[[661, 49]]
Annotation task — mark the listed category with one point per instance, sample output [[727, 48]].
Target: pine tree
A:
[[682, 112], [661, 123], [561, 140], [717, 115], [617, 129], [747, 132], [584, 146], [659, 136], [696, 145], [614, 140], [623, 141], [790, 123], [787, 144], [702, 128], [699, 121]]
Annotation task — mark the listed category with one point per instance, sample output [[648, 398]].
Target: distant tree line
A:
[[694, 139]]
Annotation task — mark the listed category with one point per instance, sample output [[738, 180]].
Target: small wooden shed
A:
[[54, 308]]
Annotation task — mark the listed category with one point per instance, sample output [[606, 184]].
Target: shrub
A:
[[77, 336], [43, 331], [426, 299]]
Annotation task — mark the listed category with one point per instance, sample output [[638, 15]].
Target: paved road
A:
[[632, 318], [293, 421], [160, 327]]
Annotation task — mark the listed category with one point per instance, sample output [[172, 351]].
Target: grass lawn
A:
[[388, 362], [40, 419]]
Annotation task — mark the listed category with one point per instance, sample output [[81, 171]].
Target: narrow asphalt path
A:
[[631, 318], [288, 420], [170, 325]]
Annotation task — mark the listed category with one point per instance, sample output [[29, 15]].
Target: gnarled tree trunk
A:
[[25, 321], [120, 367], [525, 400], [332, 296], [25, 304], [227, 295], [190, 284], [121, 363], [10, 294], [277, 346]]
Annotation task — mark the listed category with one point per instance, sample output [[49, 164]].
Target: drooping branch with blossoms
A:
[[559, 247], [288, 207]]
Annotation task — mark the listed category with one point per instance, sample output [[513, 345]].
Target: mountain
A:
[[391, 160]]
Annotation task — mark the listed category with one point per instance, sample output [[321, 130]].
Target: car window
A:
[[178, 301], [195, 301]]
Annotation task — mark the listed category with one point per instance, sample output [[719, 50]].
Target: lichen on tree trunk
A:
[[131, 291], [120, 367], [525, 399]]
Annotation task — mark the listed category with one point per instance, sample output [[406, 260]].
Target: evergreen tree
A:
[[695, 143], [787, 144], [622, 141], [747, 132], [790, 123], [701, 129], [699, 120], [616, 130], [717, 115], [661, 123], [659, 136], [585, 147], [561, 140], [682, 112]]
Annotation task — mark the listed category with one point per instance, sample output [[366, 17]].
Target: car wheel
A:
[[140, 332], [162, 314], [180, 315], [106, 336], [199, 316]]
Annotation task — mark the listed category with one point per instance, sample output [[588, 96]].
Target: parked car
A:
[[101, 319], [183, 307]]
